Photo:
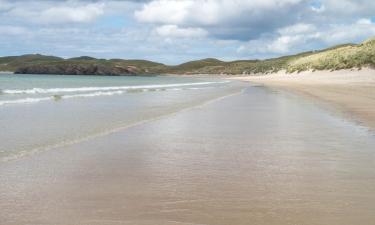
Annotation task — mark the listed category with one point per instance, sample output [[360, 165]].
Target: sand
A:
[[350, 91], [263, 156]]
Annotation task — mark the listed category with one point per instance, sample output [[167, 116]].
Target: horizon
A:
[[174, 32]]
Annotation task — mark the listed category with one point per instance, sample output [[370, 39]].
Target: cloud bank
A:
[[173, 31]]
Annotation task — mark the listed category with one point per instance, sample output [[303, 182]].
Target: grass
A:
[[339, 57], [343, 57]]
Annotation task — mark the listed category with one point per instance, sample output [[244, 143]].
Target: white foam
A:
[[113, 88], [94, 94], [94, 91], [24, 101], [35, 100]]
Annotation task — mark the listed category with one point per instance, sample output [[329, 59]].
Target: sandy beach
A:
[[187, 112], [262, 156], [352, 92]]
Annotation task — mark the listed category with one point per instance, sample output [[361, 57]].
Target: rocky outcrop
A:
[[77, 69]]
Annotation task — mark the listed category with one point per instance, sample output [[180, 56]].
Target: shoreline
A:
[[351, 92], [238, 159], [66, 144], [129, 102]]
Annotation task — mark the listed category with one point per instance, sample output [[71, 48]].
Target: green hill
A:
[[196, 66], [11, 63], [335, 58], [344, 56], [85, 65]]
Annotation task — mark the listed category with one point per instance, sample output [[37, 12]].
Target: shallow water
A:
[[39, 112], [260, 157]]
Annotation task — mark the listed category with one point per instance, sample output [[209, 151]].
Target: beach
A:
[[253, 155], [187, 112], [350, 92]]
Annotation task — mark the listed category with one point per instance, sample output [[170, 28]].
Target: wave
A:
[[59, 97], [113, 88], [109, 130], [94, 94], [24, 100]]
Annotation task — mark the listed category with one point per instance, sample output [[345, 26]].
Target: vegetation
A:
[[85, 65], [11, 63], [335, 58], [342, 57]]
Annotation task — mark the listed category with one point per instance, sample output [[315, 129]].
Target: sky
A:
[[176, 31]]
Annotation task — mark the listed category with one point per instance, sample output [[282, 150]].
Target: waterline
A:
[[114, 88]]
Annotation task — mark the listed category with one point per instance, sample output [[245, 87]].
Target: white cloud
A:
[[47, 12], [346, 33], [224, 19], [304, 37], [164, 11], [12, 30], [72, 14], [283, 44], [364, 21], [298, 28], [349, 8], [4, 6], [173, 31], [276, 46], [208, 12]]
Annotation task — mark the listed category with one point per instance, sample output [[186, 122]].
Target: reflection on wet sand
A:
[[260, 157]]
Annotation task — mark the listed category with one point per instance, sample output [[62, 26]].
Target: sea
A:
[[42, 112]]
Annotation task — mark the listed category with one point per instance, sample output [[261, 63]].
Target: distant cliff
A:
[[84, 65], [339, 57], [77, 69]]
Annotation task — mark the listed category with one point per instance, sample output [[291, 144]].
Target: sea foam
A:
[[86, 92], [112, 88]]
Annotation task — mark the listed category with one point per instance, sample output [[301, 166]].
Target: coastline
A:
[[349, 91], [129, 101]]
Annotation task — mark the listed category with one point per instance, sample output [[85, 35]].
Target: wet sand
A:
[[260, 157], [350, 91]]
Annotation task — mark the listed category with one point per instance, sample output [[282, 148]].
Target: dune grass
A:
[[345, 57]]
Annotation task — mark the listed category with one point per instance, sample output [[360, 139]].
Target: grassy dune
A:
[[344, 57], [336, 58]]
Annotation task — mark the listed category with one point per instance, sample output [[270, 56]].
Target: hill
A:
[[11, 63], [335, 58], [344, 56], [84, 65]]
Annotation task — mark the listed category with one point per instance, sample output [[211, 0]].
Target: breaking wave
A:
[[113, 88], [86, 92]]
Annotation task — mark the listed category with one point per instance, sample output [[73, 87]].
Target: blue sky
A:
[[175, 31]]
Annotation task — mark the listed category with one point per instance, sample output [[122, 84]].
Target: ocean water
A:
[[42, 112]]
